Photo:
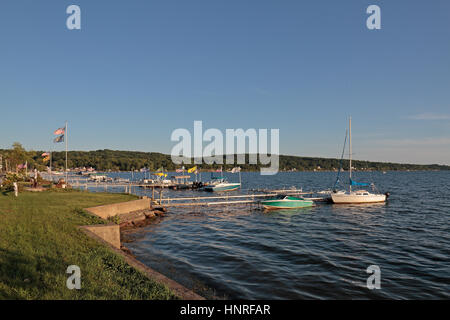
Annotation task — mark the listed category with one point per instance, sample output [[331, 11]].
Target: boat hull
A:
[[223, 187], [345, 198], [286, 204]]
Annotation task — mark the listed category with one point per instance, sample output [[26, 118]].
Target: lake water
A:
[[241, 252]]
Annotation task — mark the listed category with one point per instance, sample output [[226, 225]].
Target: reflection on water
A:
[[314, 253]]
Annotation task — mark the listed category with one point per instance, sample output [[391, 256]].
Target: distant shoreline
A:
[[126, 161], [285, 171]]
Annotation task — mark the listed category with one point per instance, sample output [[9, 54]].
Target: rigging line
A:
[[340, 163]]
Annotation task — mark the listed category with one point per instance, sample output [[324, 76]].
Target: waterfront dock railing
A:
[[254, 196]]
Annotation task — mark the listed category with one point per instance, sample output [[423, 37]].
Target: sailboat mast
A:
[[350, 153], [66, 138]]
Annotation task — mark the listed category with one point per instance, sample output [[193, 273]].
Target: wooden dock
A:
[[126, 186], [224, 199], [229, 199]]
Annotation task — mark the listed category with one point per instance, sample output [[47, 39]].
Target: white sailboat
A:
[[358, 196]]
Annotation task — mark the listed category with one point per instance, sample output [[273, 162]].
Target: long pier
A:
[[216, 200], [205, 201], [77, 181]]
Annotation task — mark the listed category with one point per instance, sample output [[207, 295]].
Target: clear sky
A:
[[139, 69]]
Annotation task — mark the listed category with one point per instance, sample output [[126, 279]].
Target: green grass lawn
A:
[[39, 239]]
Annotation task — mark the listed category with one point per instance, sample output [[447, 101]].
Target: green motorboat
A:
[[286, 202]]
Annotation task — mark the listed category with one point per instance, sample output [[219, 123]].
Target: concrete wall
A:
[[96, 232], [108, 232], [111, 210]]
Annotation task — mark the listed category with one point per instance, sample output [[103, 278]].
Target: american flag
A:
[[60, 131], [59, 139], [22, 166]]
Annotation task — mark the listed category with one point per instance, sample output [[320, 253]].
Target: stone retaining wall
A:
[[108, 232], [134, 213], [112, 210]]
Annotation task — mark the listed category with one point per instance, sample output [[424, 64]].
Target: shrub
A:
[[11, 177]]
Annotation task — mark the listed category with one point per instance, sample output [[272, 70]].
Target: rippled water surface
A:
[[241, 252]]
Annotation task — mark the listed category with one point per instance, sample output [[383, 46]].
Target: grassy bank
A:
[[39, 239]]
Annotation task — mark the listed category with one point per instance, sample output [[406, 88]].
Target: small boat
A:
[[97, 177], [221, 184], [147, 181], [286, 202]]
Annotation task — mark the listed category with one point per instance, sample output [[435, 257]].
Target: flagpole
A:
[[51, 176], [67, 182]]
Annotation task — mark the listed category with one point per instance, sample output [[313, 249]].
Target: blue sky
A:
[[137, 70]]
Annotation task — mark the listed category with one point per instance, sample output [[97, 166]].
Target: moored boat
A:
[[355, 196], [218, 184], [286, 202], [221, 184], [97, 177], [360, 196]]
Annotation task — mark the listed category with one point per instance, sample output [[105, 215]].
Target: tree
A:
[[18, 155]]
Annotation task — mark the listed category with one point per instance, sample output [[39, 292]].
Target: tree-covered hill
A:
[[114, 160]]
